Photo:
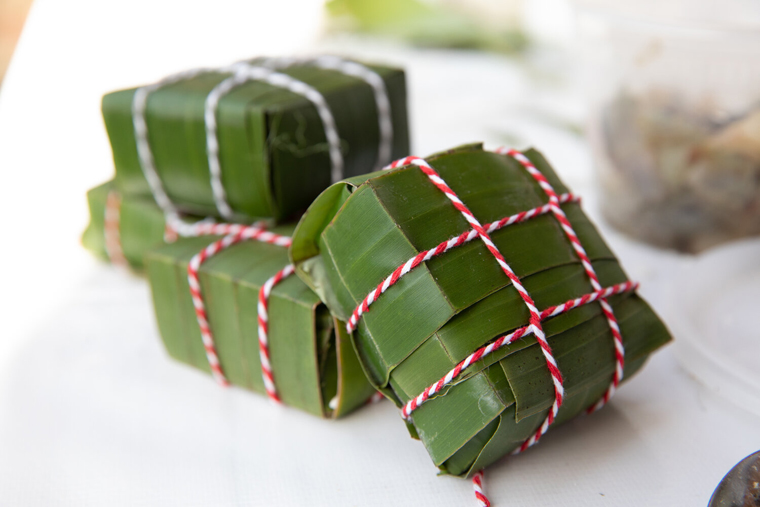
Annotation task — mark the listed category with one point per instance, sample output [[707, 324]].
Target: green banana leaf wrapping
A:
[[273, 151], [140, 226], [358, 231], [314, 365]]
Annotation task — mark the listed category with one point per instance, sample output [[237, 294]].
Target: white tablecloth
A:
[[92, 412]]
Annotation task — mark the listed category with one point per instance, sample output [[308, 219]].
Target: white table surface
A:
[[92, 412]]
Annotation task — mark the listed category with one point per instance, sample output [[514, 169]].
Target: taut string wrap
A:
[[241, 73], [599, 294]]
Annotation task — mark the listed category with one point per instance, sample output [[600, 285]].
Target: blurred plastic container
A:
[[675, 118]]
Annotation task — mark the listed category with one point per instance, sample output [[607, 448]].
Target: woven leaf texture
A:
[[359, 231]]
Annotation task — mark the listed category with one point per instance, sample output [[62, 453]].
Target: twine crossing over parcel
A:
[[243, 72], [238, 233], [362, 72], [588, 268], [599, 294], [233, 234]]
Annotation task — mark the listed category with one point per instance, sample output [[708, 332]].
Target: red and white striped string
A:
[[587, 266], [535, 316], [235, 234], [111, 229], [552, 311], [599, 294], [210, 228], [477, 486], [445, 246], [175, 226], [263, 314], [500, 342]]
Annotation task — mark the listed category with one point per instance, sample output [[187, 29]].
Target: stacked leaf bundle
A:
[[427, 324], [255, 140], [259, 139], [311, 358]]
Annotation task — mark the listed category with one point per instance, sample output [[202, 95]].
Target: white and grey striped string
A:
[[369, 76], [144, 152], [243, 72]]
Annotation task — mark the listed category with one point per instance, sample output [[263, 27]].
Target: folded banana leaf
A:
[[136, 224], [314, 365], [274, 152], [359, 231]]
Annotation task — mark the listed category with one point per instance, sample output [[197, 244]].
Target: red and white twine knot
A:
[[599, 294]]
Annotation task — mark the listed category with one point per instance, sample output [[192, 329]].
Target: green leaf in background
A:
[[141, 225], [272, 145], [357, 232], [424, 24], [314, 364]]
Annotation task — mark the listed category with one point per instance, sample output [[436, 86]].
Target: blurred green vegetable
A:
[[424, 24]]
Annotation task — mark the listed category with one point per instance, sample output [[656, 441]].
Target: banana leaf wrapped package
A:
[[206, 291], [122, 229], [479, 296], [257, 139]]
